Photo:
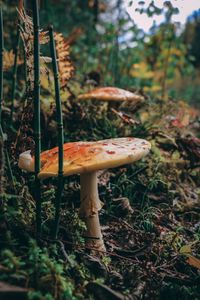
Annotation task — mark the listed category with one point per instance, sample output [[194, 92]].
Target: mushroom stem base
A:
[[90, 206]]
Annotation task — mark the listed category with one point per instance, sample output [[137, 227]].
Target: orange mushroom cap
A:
[[83, 157], [110, 94]]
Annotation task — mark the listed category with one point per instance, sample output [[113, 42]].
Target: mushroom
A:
[[111, 94], [86, 158]]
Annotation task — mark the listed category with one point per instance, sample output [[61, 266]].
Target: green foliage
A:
[[143, 244], [39, 271]]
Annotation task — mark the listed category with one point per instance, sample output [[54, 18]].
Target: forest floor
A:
[[150, 218]]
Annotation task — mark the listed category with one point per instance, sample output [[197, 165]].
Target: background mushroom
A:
[[86, 158], [111, 94]]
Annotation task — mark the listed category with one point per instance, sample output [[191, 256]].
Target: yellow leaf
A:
[[144, 116], [141, 70], [8, 60], [186, 249], [156, 88]]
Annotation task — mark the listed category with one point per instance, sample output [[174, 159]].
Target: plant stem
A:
[[20, 5], [10, 172], [14, 79], [116, 74], [1, 67], [60, 132], [165, 70], [25, 67], [166, 63], [37, 129]]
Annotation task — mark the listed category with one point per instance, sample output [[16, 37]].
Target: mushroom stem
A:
[[90, 205]]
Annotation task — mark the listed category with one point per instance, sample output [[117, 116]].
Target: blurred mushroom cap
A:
[[110, 94]]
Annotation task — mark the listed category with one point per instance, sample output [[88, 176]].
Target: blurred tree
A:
[[110, 49], [191, 36]]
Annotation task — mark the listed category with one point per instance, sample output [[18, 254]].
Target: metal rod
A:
[[37, 126], [1, 67]]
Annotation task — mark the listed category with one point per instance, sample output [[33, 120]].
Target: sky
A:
[[186, 7]]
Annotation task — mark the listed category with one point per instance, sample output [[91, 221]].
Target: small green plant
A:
[[43, 274]]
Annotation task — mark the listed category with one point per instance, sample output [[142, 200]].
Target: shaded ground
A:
[[150, 218]]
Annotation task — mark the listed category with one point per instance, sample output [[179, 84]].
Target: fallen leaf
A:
[[124, 117], [186, 249], [193, 261]]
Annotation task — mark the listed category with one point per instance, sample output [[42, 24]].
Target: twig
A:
[[67, 259], [79, 247], [9, 168], [120, 220], [138, 172]]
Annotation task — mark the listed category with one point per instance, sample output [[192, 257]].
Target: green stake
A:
[[60, 132], [1, 68], [37, 129]]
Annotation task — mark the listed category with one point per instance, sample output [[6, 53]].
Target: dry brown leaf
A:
[[43, 37], [26, 31], [66, 69], [74, 35], [124, 117], [194, 262], [8, 60]]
